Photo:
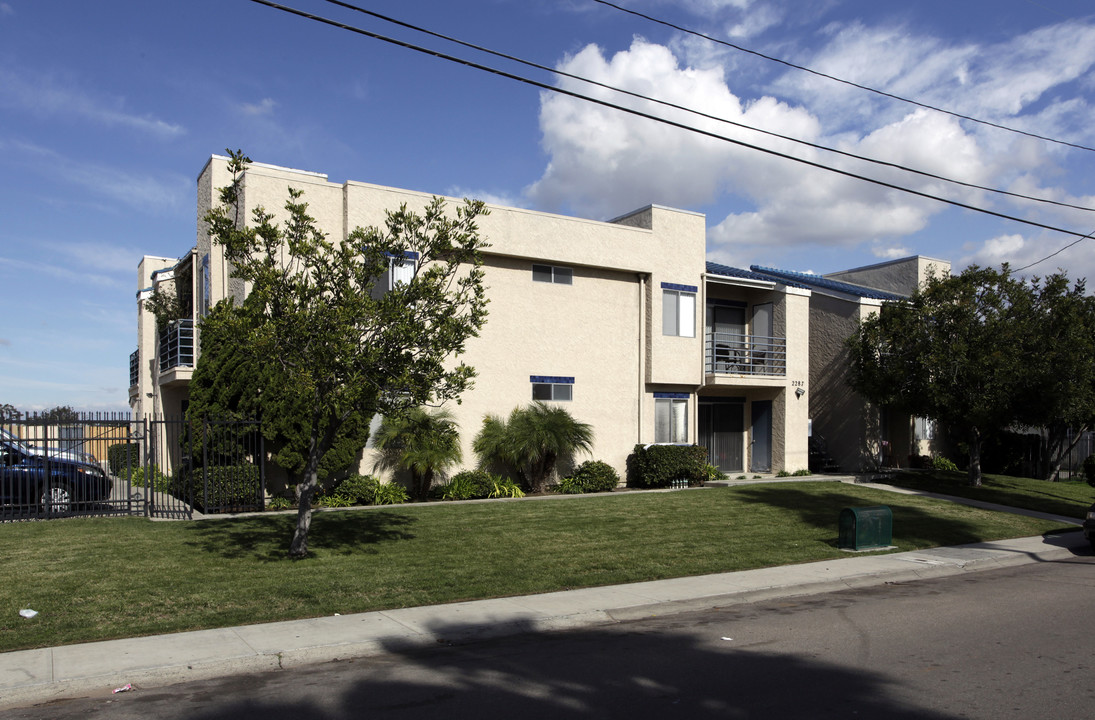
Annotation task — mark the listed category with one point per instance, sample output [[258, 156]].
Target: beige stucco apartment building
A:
[[622, 322]]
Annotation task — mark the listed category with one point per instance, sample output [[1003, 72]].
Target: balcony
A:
[[741, 354], [177, 345], [134, 367]]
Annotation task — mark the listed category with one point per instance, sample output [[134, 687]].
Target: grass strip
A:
[[1070, 498], [99, 579]]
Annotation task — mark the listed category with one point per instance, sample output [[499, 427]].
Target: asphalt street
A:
[[1007, 643]]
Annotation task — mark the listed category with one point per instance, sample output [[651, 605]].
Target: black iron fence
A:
[[112, 464]]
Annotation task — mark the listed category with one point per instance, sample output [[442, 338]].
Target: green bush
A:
[[657, 466], [390, 494], [1089, 470], [590, 477], [801, 473], [123, 457], [158, 481], [941, 463], [468, 485], [279, 503], [336, 500], [359, 489]]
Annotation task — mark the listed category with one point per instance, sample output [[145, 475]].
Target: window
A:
[[679, 310], [552, 388], [670, 417], [402, 268], [552, 274]]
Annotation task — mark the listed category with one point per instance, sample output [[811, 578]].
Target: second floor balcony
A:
[[177, 345], [742, 354]]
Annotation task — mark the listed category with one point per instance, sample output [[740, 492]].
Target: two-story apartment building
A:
[[623, 322]]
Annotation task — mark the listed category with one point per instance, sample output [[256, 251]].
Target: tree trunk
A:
[[975, 457], [298, 548]]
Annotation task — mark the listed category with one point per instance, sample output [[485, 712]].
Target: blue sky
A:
[[109, 109]]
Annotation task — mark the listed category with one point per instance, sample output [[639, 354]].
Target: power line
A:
[[664, 121], [841, 80], [675, 106], [1055, 254]]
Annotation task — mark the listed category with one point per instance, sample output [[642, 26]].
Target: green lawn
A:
[[1071, 498], [96, 579]]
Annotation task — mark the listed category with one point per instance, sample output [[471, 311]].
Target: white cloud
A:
[[605, 162], [486, 196], [6, 9], [890, 252], [44, 95], [263, 107]]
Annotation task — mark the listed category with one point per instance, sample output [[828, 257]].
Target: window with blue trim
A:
[[552, 388], [679, 310], [670, 417]]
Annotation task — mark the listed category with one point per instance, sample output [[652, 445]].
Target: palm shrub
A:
[[531, 441], [425, 443]]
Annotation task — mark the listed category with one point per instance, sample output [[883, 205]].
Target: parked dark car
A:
[[1089, 526], [54, 484]]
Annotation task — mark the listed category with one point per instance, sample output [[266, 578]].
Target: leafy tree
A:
[[327, 348], [423, 442], [956, 352], [1059, 393], [59, 415], [9, 413], [532, 441]]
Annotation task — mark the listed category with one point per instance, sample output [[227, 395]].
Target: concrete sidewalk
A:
[[30, 676]]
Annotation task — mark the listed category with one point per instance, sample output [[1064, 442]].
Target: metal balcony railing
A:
[[741, 354], [177, 345], [134, 367]]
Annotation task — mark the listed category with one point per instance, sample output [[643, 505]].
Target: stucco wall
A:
[[901, 276], [840, 416]]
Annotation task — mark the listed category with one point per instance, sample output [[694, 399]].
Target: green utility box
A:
[[866, 528]]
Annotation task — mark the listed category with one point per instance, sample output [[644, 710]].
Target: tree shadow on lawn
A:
[[912, 524], [267, 538]]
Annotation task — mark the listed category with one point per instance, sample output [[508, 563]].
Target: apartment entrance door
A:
[[761, 459], [722, 432]]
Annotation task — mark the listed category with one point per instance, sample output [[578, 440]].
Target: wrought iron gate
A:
[[80, 464]]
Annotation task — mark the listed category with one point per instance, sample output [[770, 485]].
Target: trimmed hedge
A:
[[228, 487], [659, 466], [1089, 470]]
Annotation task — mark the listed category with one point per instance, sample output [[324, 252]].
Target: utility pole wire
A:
[[675, 106], [841, 80], [664, 121]]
